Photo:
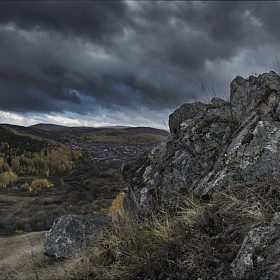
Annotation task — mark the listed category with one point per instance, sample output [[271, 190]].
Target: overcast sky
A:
[[126, 62]]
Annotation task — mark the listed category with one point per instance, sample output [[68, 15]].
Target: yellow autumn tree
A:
[[116, 209], [7, 178], [40, 183]]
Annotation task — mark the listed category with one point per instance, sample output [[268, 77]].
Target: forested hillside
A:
[[24, 154]]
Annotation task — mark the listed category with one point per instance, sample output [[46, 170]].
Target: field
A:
[[86, 190]]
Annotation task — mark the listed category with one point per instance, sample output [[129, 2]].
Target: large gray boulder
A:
[[70, 233]]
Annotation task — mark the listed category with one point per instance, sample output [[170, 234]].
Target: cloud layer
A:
[[127, 62]]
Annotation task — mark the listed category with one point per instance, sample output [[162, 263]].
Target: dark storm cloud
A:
[[93, 19], [87, 56]]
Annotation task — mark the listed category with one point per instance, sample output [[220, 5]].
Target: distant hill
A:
[[73, 135], [55, 127], [139, 130], [29, 130], [48, 127], [61, 128]]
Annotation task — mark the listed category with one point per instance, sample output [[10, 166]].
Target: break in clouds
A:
[[127, 62]]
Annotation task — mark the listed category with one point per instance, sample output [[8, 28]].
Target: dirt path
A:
[[12, 248]]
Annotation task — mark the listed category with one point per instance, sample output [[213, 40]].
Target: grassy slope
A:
[[197, 241]]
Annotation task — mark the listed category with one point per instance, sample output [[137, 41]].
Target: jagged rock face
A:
[[259, 251], [200, 133], [254, 151], [212, 146], [70, 233], [247, 94]]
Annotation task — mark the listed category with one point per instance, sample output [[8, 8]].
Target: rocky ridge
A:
[[214, 147]]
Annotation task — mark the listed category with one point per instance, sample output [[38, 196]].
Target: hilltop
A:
[[48, 127]]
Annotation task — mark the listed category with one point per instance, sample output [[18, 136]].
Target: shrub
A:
[[7, 178], [116, 209], [39, 184]]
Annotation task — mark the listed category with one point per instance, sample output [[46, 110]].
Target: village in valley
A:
[[110, 151]]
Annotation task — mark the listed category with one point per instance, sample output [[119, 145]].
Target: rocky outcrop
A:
[[212, 145], [70, 233], [200, 133]]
